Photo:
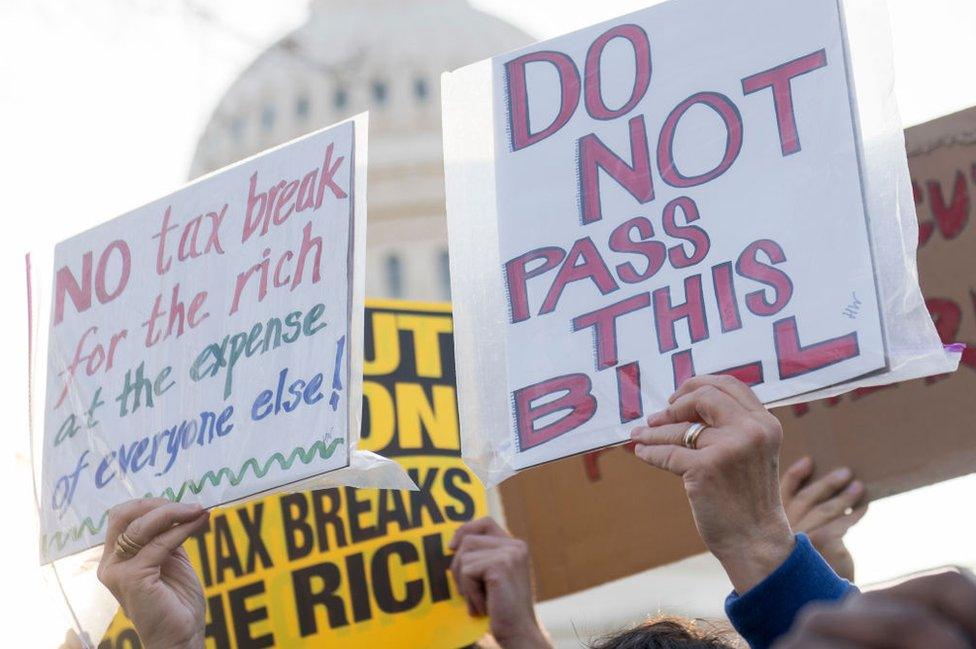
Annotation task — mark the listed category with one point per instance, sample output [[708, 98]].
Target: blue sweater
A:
[[766, 611]]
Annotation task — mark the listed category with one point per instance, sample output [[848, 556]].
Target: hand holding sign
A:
[[208, 346], [491, 570], [731, 477], [689, 189], [156, 586]]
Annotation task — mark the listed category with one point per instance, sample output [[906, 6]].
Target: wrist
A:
[[198, 641], [527, 636], [837, 556], [827, 546], [749, 560]]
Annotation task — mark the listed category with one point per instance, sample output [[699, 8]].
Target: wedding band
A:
[[125, 547], [691, 435]]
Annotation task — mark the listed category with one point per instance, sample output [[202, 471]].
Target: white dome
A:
[[449, 33], [385, 56], [352, 55]]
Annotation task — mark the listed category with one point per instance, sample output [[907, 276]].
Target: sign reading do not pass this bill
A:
[[671, 193], [203, 347]]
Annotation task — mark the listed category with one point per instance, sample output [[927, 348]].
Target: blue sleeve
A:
[[766, 611]]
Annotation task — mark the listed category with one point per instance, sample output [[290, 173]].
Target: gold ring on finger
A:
[[690, 439], [125, 547]]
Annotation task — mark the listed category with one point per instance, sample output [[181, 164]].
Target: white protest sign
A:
[[671, 193], [205, 347]]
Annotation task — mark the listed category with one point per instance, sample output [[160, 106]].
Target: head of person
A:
[[671, 633]]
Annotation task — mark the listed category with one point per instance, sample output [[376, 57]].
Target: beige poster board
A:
[[896, 437]]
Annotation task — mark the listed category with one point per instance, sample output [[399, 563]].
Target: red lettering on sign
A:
[[575, 399], [780, 80], [795, 359], [635, 177], [518, 99]]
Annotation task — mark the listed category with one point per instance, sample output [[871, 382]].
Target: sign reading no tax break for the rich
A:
[[678, 191], [198, 346]]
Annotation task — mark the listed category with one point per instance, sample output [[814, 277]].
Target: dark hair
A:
[[667, 632]]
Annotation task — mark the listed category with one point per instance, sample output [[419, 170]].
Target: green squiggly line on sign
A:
[[306, 456]]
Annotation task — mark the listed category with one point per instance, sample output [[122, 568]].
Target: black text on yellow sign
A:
[[354, 567]]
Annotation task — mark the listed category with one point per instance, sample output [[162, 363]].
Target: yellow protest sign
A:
[[354, 567]]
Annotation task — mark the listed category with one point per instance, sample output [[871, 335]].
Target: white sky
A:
[[101, 103]]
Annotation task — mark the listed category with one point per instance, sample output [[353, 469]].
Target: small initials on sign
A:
[[852, 309]]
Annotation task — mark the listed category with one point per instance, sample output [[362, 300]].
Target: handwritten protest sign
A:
[[674, 192], [203, 346], [354, 567], [875, 431]]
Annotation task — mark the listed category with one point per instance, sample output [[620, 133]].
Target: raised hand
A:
[[491, 571], [730, 472], [824, 510], [149, 573]]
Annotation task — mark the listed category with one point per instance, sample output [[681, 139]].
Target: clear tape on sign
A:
[[141, 416], [483, 306], [914, 348]]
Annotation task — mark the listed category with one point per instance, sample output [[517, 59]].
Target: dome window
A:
[[420, 89], [301, 107], [340, 98], [268, 118], [444, 272], [237, 129], [379, 92], [394, 276]]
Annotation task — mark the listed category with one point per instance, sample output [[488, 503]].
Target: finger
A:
[[878, 620], [162, 546], [666, 434], [484, 525], [468, 587], [728, 384], [836, 528], [835, 508], [824, 487], [676, 459], [952, 593], [798, 640], [858, 512], [825, 643], [818, 643], [707, 404], [478, 600], [475, 574], [153, 523], [794, 477], [119, 518], [477, 542]]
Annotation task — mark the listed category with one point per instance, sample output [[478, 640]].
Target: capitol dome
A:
[[385, 56]]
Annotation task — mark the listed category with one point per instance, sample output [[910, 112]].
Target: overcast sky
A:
[[92, 90]]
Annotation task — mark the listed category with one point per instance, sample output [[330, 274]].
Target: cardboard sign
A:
[[354, 567], [896, 438], [199, 346], [903, 436], [677, 191]]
